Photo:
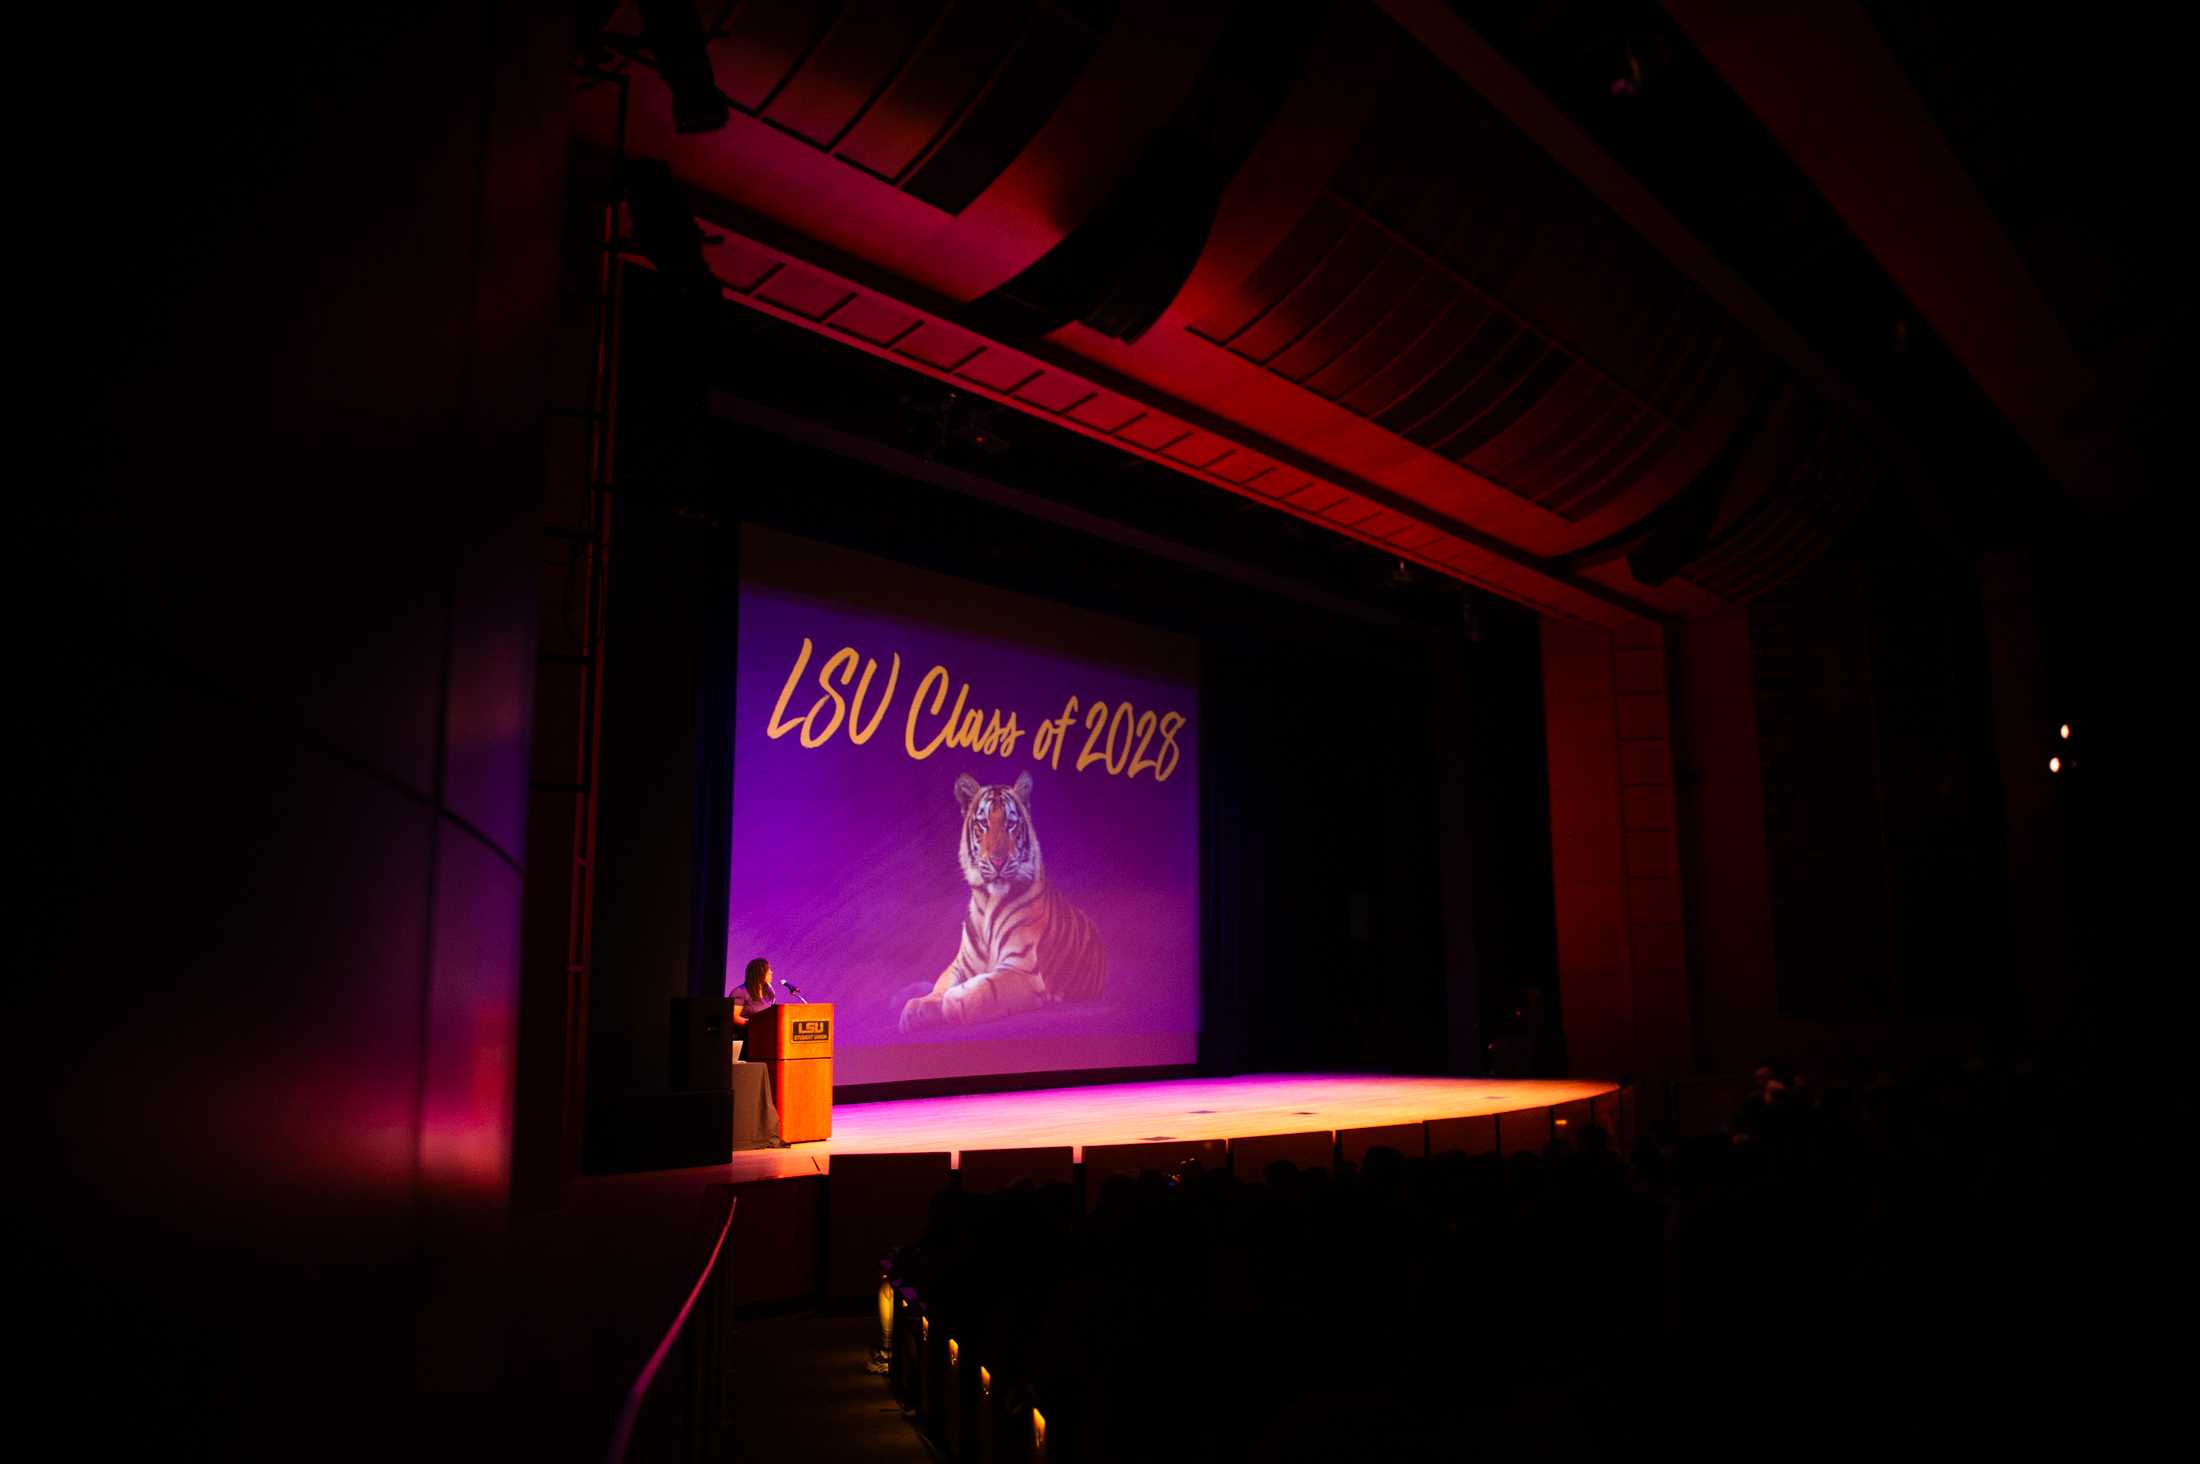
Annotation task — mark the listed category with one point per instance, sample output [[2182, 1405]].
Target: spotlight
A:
[[670, 29], [1628, 63], [952, 425], [979, 430], [1628, 82], [2066, 731], [2054, 764]]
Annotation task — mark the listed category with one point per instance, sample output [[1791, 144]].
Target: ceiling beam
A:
[[1827, 89], [1542, 121]]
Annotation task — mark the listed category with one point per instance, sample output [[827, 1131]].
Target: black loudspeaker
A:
[[701, 1046], [659, 1131]]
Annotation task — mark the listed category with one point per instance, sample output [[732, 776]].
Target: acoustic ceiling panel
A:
[[1822, 480], [1410, 324], [1456, 287], [835, 84], [1370, 300], [969, 42], [936, 97]]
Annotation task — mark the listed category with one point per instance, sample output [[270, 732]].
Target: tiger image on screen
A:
[[1023, 945]]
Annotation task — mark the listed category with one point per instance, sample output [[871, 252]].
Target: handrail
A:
[[623, 1435]]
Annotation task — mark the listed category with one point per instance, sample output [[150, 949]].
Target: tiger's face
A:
[[999, 847]]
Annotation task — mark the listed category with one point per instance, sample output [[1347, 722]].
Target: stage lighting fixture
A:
[[985, 1382], [665, 233], [1629, 62], [678, 47], [952, 422], [2054, 764], [1401, 574], [979, 431], [2066, 731], [1628, 82], [1038, 1437]]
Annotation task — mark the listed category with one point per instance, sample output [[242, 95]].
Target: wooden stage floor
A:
[[1129, 1113]]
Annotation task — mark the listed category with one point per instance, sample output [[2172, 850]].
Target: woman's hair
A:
[[754, 976]]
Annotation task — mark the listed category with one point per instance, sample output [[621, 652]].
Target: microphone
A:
[[793, 990]]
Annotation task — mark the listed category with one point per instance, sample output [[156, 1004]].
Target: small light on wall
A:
[[2066, 731], [924, 1328], [985, 1380], [954, 1353], [2054, 764], [1038, 1436]]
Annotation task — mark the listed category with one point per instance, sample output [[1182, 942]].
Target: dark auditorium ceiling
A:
[[1616, 309]]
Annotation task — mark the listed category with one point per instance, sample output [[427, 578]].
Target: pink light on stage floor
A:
[[1190, 1110]]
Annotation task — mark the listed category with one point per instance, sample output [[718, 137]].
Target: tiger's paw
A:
[[920, 1012]]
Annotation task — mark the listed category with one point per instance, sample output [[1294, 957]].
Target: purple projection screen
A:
[[968, 818]]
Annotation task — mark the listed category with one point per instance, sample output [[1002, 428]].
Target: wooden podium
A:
[[795, 1040]]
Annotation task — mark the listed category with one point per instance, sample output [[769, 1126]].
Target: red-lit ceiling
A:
[[1409, 323]]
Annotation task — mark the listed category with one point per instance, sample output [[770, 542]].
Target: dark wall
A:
[[1882, 804], [1319, 811], [272, 778], [659, 920], [2113, 597], [1720, 776]]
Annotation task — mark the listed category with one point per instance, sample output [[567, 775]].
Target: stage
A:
[[1188, 1109]]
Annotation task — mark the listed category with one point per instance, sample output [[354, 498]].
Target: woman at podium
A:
[[793, 1040], [755, 994], [755, 1112]]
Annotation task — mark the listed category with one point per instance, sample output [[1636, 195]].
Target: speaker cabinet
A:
[[701, 1045]]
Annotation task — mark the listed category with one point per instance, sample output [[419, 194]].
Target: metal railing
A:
[[672, 1408]]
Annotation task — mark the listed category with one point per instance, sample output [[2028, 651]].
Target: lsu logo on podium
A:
[[813, 1029]]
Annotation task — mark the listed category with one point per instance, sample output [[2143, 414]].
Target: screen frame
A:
[[715, 826]]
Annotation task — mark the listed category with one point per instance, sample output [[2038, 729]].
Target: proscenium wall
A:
[[274, 766], [1343, 926]]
